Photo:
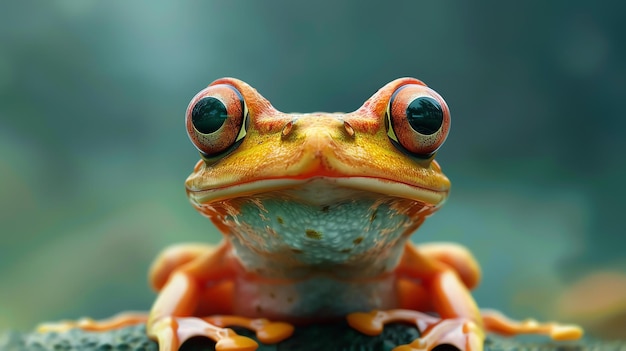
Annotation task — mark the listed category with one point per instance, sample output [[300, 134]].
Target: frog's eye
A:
[[216, 119], [418, 120]]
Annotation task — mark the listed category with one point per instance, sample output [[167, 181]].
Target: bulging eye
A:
[[418, 120], [216, 119]]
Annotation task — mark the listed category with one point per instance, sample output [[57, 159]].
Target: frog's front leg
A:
[[447, 272], [170, 321], [459, 323]]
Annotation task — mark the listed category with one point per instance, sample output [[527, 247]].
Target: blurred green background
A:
[[93, 151]]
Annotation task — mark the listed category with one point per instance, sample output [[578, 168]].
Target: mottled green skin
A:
[[331, 337]]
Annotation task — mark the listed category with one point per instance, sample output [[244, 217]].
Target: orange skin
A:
[[282, 156]]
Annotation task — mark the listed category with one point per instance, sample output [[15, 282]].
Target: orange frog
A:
[[316, 211]]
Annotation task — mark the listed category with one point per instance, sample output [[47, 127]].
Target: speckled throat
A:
[[317, 227]]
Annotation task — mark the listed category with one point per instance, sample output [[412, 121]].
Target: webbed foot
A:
[[460, 333], [266, 331], [498, 323], [172, 332]]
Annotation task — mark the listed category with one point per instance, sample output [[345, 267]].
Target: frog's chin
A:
[[322, 191]]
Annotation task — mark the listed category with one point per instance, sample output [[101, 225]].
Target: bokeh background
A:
[[93, 152]]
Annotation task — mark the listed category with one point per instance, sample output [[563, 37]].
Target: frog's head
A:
[[317, 189]]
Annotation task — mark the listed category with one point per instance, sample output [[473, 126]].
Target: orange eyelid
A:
[[254, 101], [377, 105], [230, 131]]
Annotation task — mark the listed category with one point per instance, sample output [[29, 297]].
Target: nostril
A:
[[349, 129], [287, 129]]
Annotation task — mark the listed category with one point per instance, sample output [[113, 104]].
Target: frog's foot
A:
[[172, 332], [267, 332], [461, 333], [118, 321], [498, 323]]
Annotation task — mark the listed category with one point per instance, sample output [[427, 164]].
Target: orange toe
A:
[[236, 343], [274, 332], [366, 323]]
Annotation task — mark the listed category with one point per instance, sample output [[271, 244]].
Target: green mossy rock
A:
[[317, 337]]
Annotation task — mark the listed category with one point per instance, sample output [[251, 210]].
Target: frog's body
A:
[[318, 252], [316, 211]]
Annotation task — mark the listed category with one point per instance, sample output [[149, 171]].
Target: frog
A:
[[316, 212]]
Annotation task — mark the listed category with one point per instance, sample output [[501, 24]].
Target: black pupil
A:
[[425, 115], [208, 115]]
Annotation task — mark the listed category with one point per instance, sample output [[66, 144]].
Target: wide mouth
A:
[[321, 190]]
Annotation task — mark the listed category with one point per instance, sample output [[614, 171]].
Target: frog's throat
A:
[[316, 195], [320, 226]]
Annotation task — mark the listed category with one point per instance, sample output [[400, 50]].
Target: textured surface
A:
[[326, 337]]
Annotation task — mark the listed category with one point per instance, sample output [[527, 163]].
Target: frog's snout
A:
[[317, 127]]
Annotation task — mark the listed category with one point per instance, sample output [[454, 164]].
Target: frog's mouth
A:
[[321, 191]]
